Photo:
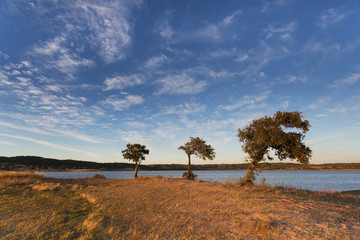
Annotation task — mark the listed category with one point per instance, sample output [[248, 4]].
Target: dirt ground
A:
[[174, 208]]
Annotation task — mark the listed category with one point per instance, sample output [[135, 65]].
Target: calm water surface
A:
[[312, 180]]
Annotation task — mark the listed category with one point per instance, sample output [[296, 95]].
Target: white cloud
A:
[[215, 30], [157, 61], [352, 79], [320, 102], [25, 128], [136, 124], [60, 57], [328, 138], [224, 52], [110, 26], [182, 109], [331, 16], [228, 20], [6, 143], [54, 88], [53, 145], [163, 27], [50, 48], [124, 103], [242, 58], [4, 55], [121, 82], [51, 132], [283, 31], [248, 102], [107, 26], [292, 78], [211, 30], [180, 84]]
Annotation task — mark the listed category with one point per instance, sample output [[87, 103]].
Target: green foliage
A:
[[135, 152], [199, 148], [190, 176], [273, 133]]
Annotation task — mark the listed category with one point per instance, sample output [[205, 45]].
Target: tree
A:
[[199, 148], [274, 133], [135, 152]]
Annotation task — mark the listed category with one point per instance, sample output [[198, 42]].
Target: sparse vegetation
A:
[[271, 133], [169, 208]]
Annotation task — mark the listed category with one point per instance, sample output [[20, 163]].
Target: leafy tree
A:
[[135, 152], [199, 148], [274, 133]]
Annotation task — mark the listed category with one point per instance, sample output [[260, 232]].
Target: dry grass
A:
[[170, 208]]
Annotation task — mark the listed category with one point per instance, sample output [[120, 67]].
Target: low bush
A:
[[190, 176], [98, 176]]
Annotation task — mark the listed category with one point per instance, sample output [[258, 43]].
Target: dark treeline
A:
[[39, 163]]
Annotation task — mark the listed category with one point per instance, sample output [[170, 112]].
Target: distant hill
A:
[[23, 163]]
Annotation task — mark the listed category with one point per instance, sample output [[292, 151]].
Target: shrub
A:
[[190, 176], [98, 176]]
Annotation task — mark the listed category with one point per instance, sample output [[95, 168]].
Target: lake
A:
[[311, 180]]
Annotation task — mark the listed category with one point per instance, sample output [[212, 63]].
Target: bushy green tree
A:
[[275, 133], [199, 148], [136, 153]]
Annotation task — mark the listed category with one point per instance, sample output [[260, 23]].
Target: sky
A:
[[80, 79]]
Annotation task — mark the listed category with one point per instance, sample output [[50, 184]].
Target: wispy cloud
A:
[[120, 104], [7, 143], [182, 109], [59, 57], [215, 30], [320, 102], [180, 84], [229, 19], [164, 26], [122, 82], [25, 128], [107, 26], [53, 145], [331, 16], [110, 26], [4, 55], [52, 132], [250, 102], [283, 31], [350, 80], [157, 61], [327, 138], [290, 78]]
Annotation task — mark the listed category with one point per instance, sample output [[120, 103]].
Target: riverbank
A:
[[169, 208]]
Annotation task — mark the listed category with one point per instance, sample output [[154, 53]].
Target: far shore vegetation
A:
[[36, 163]]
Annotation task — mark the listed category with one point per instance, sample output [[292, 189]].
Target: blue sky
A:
[[80, 79]]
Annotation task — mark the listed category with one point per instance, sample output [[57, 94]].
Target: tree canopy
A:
[[274, 133], [136, 153], [199, 148]]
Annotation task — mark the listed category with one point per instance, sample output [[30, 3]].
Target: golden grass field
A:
[[33, 207]]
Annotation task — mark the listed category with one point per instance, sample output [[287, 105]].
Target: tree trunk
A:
[[189, 167], [249, 177], [136, 169]]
